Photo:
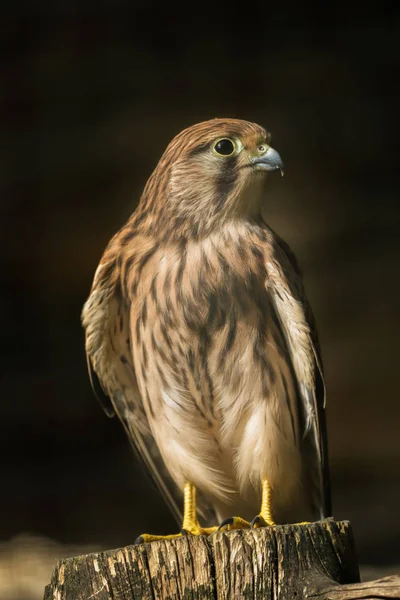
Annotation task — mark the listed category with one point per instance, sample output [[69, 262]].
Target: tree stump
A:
[[311, 561]]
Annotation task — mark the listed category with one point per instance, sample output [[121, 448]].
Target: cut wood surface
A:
[[315, 560]]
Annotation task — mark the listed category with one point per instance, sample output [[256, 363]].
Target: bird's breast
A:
[[211, 361], [204, 325]]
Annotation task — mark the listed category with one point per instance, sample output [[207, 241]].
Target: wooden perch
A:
[[311, 561]]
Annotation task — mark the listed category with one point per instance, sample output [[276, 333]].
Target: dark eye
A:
[[224, 147]]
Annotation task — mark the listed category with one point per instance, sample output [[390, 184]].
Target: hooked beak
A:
[[269, 161]]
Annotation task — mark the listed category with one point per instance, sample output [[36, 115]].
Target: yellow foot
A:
[[262, 521], [234, 523], [190, 525], [239, 523], [192, 528], [196, 529]]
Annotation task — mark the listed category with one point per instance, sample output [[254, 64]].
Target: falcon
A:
[[199, 337]]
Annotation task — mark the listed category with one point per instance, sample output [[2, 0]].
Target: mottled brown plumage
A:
[[199, 333]]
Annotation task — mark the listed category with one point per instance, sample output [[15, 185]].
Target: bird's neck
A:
[[194, 213]]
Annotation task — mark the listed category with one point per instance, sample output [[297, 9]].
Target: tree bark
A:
[[312, 561]]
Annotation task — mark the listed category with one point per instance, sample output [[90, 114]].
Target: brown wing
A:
[[297, 321], [105, 318]]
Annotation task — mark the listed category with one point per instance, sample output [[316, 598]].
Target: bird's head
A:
[[212, 171]]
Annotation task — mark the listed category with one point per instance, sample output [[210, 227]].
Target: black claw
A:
[[185, 532], [139, 540], [258, 521], [225, 522]]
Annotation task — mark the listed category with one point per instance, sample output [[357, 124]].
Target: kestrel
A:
[[200, 339]]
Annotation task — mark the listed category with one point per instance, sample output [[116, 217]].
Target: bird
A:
[[200, 338]]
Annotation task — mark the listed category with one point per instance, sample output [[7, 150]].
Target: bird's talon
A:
[[232, 523], [139, 540], [257, 522], [225, 522], [184, 532]]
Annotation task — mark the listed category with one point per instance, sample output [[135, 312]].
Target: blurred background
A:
[[91, 95]]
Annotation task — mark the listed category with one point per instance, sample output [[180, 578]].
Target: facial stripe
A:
[[225, 180]]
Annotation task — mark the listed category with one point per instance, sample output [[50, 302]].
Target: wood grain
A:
[[311, 561]]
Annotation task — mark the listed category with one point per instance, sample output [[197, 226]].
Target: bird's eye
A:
[[262, 149], [225, 147]]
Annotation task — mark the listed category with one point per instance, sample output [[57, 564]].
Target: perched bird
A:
[[200, 339]]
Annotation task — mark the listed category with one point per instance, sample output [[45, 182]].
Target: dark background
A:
[[91, 95]]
